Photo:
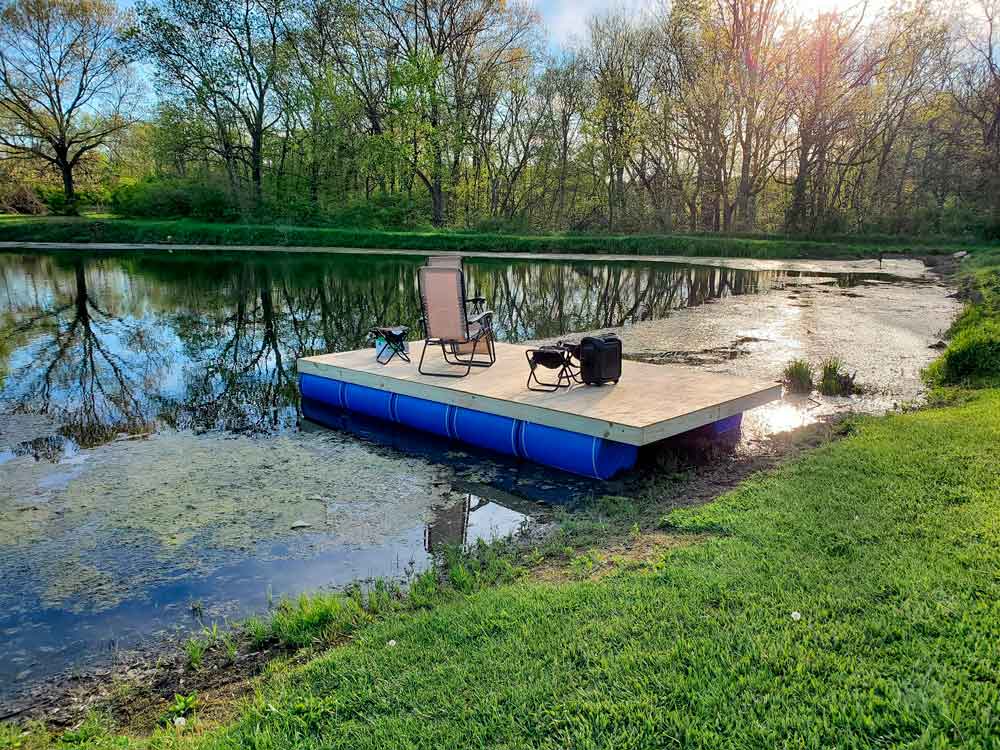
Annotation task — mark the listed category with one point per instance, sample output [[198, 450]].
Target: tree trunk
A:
[[796, 220], [256, 166], [69, 189]]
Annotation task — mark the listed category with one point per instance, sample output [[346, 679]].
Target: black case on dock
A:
[[600, 359]]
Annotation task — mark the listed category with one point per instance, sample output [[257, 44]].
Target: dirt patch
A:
[[643, 550], [138, 690]]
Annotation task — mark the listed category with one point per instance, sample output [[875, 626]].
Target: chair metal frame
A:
[[395, 343]]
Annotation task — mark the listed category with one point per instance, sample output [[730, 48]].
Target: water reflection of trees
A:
[[542, 300], [204, 342], [242, 336], [86, 364]]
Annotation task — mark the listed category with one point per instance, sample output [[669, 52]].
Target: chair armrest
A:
[[479, 316]]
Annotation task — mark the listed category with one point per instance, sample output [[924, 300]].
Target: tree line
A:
[[700, 115]]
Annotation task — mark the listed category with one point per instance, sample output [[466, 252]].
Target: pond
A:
[[154, 466]]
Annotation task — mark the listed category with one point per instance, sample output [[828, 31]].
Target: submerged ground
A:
[[200, 491]]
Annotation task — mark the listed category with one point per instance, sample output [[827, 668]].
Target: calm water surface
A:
[[152, 454]]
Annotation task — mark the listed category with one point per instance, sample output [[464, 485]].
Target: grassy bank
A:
[[849, 599], [17, 229]]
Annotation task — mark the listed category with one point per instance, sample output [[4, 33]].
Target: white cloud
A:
[[566, 20]]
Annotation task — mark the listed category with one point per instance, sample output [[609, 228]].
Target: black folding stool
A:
[[395, 343], [552, 358]]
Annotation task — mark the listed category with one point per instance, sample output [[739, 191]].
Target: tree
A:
[[620, 64], [66, 86], [977, 93], [223, 58]]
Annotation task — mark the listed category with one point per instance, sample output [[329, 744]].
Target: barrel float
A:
[[490, 431], [330, 392], [371, 401], [570, 451], [421, 414]]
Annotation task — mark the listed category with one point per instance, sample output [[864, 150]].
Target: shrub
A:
[[160, 198], [55, 200], [503, 224], [19, 198], [973, 354], [798, 376], [834, 381], [384, 211]]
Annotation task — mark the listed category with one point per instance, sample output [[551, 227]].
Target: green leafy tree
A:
[[66, 87]]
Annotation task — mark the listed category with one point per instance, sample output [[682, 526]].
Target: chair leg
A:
[[540, 386], [471, 361], [444, 353]]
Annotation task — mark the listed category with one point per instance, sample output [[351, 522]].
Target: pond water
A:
[[153, 462]]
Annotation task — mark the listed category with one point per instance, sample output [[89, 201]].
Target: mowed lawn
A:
[[849, 599], [104, 228]]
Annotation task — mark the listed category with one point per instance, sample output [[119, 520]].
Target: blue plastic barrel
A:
[[490, 431], [322, 389], [319, 411], [571, 451], [371, 401], [728, 424], [421, 414]]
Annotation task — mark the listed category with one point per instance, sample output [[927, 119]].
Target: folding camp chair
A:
[[447, 322]]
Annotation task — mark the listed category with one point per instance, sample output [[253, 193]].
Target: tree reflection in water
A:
[[123, 344], [86, 361]]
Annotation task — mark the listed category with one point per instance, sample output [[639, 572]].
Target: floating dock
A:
[[591, 430]]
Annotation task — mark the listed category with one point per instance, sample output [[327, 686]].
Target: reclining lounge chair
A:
[[466, 341]]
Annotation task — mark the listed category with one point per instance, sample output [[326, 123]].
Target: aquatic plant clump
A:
[[798, 376], [834, 380]]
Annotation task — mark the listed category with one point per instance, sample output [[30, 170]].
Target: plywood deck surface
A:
[[651, 402]]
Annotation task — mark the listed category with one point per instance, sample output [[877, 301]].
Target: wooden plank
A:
[[650, 403]]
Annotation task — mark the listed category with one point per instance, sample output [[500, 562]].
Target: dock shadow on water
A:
[[155, 471]]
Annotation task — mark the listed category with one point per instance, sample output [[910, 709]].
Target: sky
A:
[[567, 19]]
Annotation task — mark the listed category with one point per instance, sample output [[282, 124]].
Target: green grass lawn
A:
[[887, 544], [101, 228]]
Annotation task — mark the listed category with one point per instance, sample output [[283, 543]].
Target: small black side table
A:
[[395, 343]]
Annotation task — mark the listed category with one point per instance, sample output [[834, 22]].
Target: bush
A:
[[392, 211], [973, 354], [19, 198], [159, 198], [502, 224], [798, 376], [55, 200]]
